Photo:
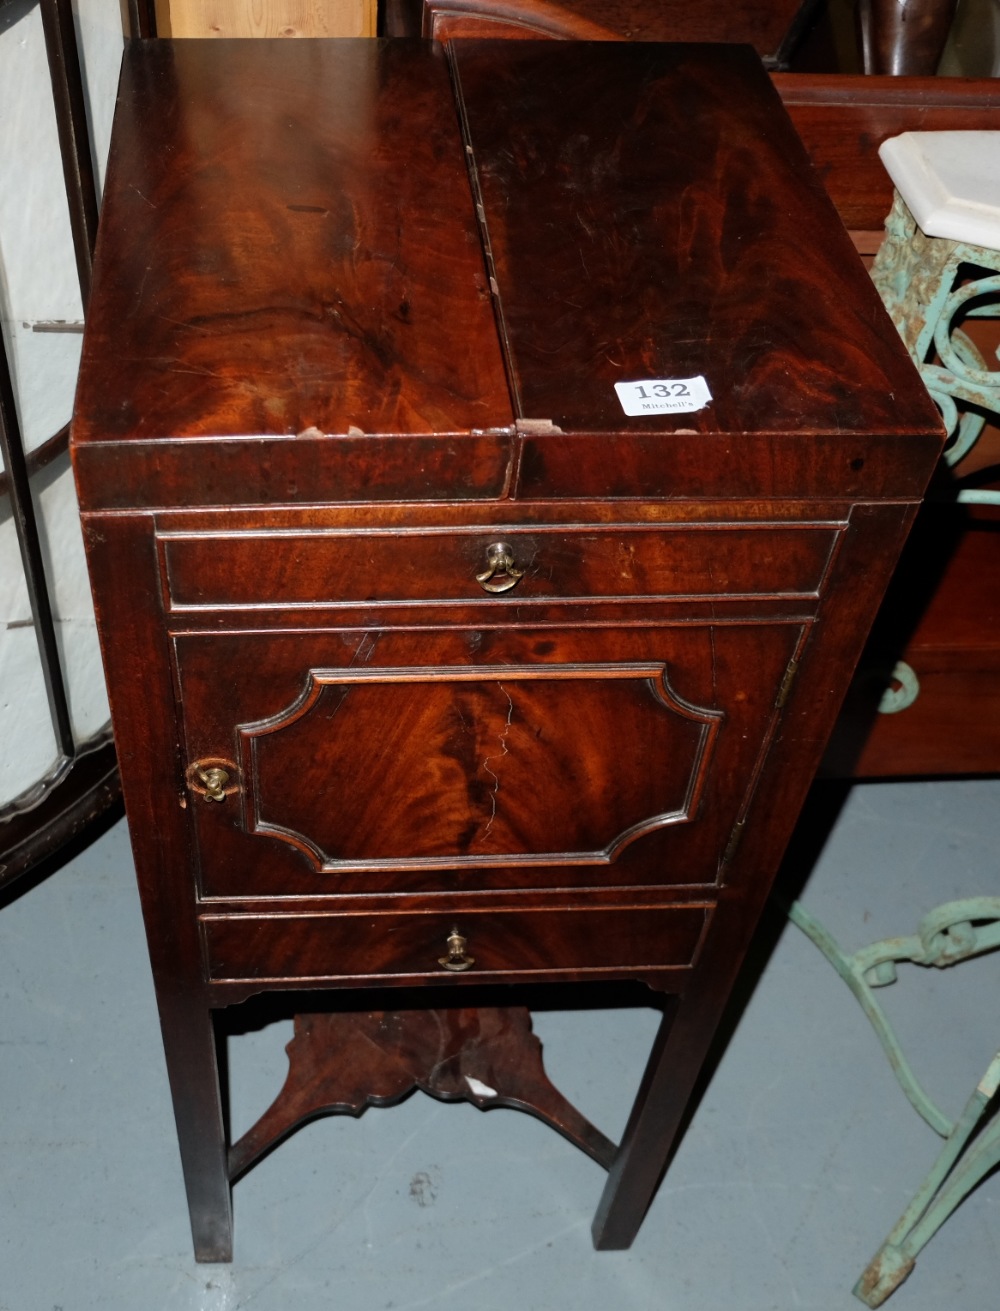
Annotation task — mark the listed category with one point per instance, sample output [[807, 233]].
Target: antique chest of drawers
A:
[[491, 462]]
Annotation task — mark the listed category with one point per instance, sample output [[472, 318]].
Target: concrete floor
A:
[[799, 1159]]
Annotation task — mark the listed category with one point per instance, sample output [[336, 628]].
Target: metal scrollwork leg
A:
[[952, 933]]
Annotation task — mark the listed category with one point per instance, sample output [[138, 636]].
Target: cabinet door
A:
[[443, 760]]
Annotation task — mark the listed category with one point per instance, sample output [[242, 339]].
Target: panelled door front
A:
[[395, 760]]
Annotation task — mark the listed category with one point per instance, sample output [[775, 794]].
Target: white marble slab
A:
[[950, 182]]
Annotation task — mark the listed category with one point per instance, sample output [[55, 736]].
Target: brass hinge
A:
[[734, 841], [786, 683]]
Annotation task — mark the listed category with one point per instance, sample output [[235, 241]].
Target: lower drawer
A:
[[319, 947]]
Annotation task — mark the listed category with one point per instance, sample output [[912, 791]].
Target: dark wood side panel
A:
[[122, 558]]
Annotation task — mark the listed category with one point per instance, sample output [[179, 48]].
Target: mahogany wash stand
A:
[[430, 664]]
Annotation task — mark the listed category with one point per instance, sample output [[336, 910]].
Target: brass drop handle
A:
[[215, 780], [456, 960], [500, 569]]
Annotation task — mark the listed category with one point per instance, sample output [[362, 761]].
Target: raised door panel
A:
[[444, 761], [461, 756]]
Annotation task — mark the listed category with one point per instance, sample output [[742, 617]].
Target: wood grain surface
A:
[[284, 18], [280, 255], [412, 762], [649, 212]]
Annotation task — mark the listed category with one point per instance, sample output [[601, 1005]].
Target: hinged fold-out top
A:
[[625, 281], [666, 262], [288, 251]]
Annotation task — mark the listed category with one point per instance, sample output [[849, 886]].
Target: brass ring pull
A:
[[210, 778], [457, 960], [500, 561], [215, 780]]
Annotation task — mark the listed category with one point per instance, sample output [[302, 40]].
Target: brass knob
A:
[[215, 780], [456, 959], [500, 568]]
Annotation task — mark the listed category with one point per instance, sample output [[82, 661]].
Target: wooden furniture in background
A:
[[253, 18], [432, 664], [942, 612], [894, 36], [843, 119], [768, 27]]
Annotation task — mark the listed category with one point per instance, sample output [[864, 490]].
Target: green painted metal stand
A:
[[930, 286], [951, 933]]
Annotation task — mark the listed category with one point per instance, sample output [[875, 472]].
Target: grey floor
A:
[[800, 1157]]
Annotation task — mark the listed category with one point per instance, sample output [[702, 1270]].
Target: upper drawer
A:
[[324, 567]]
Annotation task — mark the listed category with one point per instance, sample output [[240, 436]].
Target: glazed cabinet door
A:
[[404, 760]]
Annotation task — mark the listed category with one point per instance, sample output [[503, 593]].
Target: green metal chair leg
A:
[[949, 934], [944, 1188], [930, 286]]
